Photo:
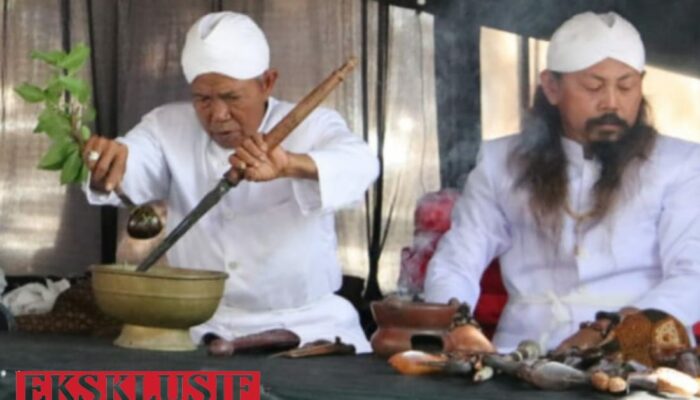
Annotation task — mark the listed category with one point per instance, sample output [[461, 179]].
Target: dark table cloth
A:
[[331, 377]]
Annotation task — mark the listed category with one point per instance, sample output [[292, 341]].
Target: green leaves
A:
[[71, 167], [55, 124], [49, 57], [30, 93], [66, 113], [57, 155], [66, 157], [72, 62], [54, 91], [85, 132], [77, 87], [75, 59]]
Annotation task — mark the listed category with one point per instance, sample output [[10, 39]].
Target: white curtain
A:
[[45, 228], [411, 161]]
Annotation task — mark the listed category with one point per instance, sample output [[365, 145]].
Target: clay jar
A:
[[401, 322]]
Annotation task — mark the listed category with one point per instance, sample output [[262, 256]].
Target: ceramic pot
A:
[[405, 325]]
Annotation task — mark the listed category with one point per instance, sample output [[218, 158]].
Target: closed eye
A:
[[624, 88], [593, 88], [229, 97]]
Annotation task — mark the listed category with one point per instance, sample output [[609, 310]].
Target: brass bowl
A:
[[158, 306]]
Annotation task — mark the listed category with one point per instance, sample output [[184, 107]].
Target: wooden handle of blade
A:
[[270, 340], [307, 104]]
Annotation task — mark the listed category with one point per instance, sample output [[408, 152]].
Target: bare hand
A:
[[106, 160], [253, 160]]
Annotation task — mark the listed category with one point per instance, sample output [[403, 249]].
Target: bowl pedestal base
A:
[[151, 338]]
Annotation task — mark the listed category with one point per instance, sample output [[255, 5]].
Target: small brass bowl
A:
[[158, 306]]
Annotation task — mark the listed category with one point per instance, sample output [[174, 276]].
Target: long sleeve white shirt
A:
[[645, 253], [276, 239]]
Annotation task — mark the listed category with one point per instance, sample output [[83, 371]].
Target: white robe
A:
[[645, 253], [276, 239]]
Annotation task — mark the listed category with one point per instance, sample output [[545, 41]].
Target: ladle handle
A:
[[120, 194], [273, 138], [124, 198]]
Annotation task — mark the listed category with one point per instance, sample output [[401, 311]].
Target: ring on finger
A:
[[93, 155]]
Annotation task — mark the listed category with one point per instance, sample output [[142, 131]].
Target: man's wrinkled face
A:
[[597, 104], [231, 109]]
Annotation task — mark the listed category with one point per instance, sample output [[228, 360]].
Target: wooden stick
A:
[[308, 104]]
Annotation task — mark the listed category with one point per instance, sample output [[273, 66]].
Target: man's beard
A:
[[595, 132], [542, 164], [613, 149], [606, 145]]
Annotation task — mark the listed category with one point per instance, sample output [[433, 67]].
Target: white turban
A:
[[587, 39], [227, 43]]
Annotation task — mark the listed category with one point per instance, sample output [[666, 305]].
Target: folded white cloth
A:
[[227, 43], [34, 298], [587, 39]]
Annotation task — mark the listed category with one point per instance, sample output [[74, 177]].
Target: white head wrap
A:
[[587, 39], [227, 43]]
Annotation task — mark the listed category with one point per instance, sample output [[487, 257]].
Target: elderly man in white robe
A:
[[274, 233], [588, 208]]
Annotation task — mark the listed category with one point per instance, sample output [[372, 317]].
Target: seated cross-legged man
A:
[[589, 208]]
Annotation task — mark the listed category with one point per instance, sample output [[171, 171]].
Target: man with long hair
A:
[[588, 208]]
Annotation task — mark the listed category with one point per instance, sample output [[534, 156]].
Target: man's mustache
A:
[[606, 119]]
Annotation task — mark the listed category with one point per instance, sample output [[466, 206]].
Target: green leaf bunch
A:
[[67, 111]]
